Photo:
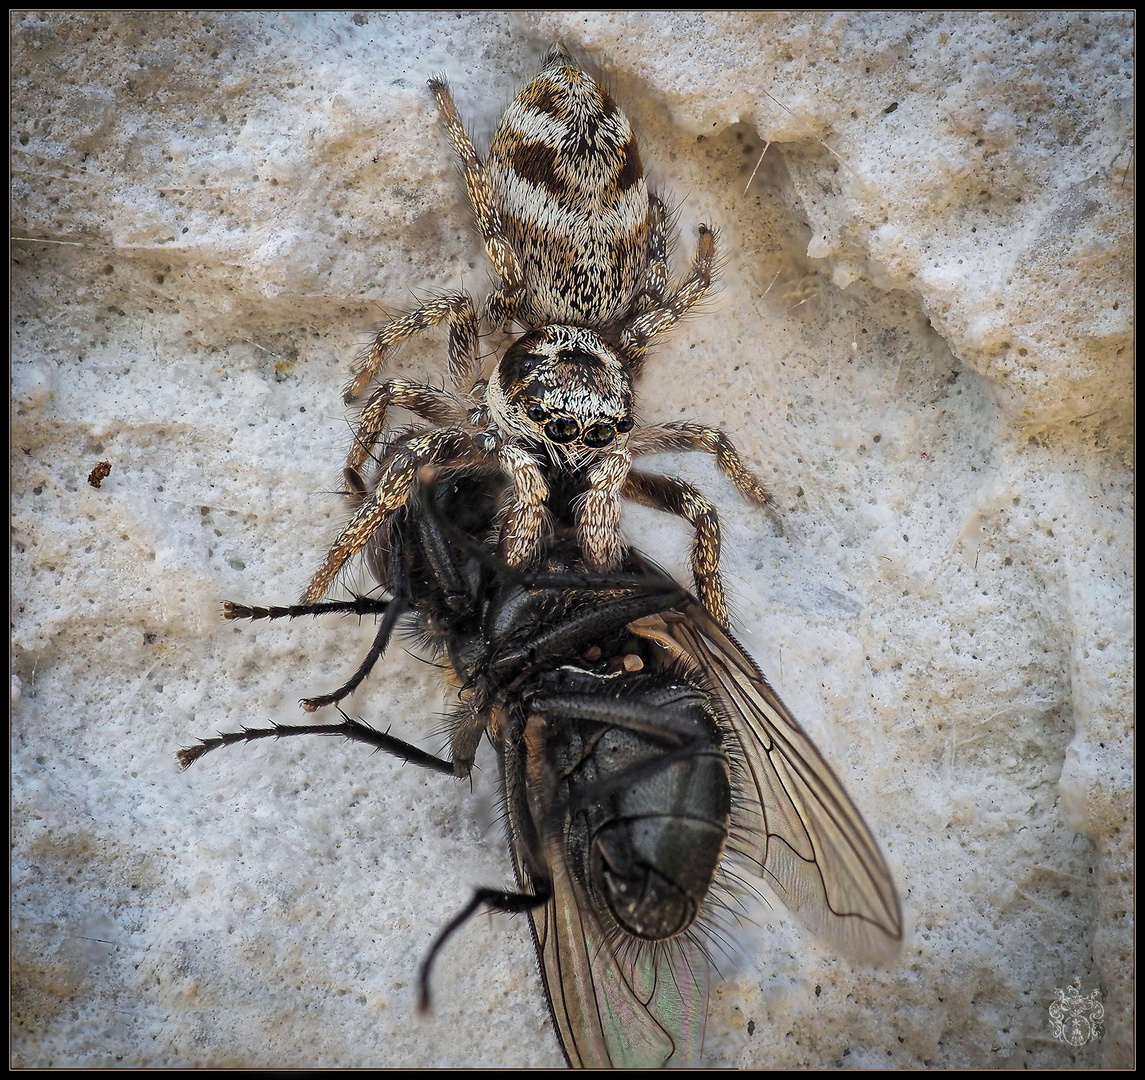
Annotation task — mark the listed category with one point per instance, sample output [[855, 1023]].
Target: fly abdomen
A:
[[655, 871], [650, 804]]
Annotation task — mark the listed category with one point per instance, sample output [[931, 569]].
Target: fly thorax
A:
[[564, 388]]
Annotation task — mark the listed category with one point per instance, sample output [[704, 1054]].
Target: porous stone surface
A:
[[921, 340]]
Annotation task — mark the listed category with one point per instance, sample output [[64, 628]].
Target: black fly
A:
[[642, 753]]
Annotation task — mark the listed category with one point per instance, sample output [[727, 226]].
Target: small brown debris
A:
[[99, 474]]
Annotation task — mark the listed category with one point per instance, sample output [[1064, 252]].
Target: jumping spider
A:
[[580, 247]]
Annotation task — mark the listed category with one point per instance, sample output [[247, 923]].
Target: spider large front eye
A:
[[599, 435], [563, 429]]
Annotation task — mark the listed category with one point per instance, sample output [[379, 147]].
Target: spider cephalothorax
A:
[[563, 387], [580, 248]]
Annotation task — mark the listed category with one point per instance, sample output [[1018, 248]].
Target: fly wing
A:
[[616, 1002], [801, 831]]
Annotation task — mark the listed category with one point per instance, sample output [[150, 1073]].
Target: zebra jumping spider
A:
[[580, 248]]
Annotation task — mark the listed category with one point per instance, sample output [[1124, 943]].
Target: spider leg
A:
[[391, 493], [455, 309], [655, 281], [598, 519], [638, 334], [678, 497], [527, 516], [688, 436], [437, 406], [503, 301]]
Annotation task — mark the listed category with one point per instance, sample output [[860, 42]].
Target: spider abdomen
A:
[[569, 184]]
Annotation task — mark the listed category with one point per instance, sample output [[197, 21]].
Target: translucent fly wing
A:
[[801, 831], [616, 1002]]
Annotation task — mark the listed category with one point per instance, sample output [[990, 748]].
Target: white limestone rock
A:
[[921, 341]]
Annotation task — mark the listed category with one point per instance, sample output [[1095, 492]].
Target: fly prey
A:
[[648, 769]]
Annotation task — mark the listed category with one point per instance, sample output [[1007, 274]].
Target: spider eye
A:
[[625, 424], [562, 430], [537, 413], [599, 435]]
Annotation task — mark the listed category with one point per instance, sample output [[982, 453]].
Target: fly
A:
[[647, 767]]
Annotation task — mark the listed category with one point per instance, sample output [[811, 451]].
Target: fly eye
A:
[[599, 435], [563, 429], [537, 413], [625, 425]]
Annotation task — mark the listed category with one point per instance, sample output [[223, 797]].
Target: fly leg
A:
[[350, 729], [390, 610], [512, 903]]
